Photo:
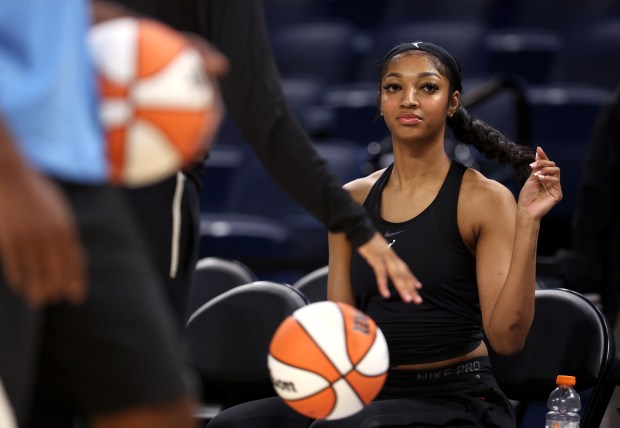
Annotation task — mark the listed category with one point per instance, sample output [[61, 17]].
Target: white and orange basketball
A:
[[158, 108], [328, 360]]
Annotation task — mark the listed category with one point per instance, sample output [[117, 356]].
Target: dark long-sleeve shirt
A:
[[254, 99], [596, 222]]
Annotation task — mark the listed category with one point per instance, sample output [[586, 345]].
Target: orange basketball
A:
[[328, 360], [158, 107]]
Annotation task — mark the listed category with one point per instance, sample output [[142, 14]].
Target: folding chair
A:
[[215, 276], [569, 336], [314, 284], [227, 342]]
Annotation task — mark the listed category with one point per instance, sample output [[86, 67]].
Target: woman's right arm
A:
[[338, 278], [340, 249]]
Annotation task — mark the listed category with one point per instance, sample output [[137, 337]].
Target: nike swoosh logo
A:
[[388, 234]]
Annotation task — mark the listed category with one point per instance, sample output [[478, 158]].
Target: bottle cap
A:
[[565, 380]]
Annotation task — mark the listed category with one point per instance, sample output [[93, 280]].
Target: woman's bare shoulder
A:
[[359, 188], [483, 194]]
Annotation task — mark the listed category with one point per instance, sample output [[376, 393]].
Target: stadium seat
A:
[[220, 168], [589, 56], [355, 112], [266, 229], [560, 15], [416, 11], [562, 118], [327, 49], [213, 277], [569, 336], [227, 341], [527, 53], [304, 97], [284, 13], [365, 14], [464, 40]]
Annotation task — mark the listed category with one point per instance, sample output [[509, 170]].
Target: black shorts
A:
[[169, 224], [117, 350], [462, 395]]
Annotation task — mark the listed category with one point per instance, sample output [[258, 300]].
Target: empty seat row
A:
[[562, 15], [243, 209], [248, 217], [337, 52]]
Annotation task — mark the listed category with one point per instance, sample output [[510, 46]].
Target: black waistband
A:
[[468, 367]]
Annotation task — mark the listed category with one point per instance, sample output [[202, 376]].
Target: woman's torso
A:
[[447, 326]]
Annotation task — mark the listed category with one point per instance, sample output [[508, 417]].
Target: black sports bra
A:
[[448, 323]]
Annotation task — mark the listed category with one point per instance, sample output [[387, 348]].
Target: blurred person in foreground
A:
[[84, 327]]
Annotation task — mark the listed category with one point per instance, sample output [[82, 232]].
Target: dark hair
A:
[[488, 140]]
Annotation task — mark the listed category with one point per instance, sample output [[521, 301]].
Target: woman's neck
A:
[[414, 164]]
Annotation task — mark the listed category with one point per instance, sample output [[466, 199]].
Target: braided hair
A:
[[486, 139]]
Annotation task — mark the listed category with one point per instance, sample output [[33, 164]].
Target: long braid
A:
[[490, 142]]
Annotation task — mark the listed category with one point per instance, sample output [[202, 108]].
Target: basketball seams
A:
[[334, 310], [349, 351], [144, 69], [305, 397], [325, 414], [346, 337], [310, 354], [300, 368], [320, 348], [155, 37]]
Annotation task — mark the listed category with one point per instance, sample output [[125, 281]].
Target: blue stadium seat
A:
[[327, 49], [562, 119], [263, 227], [284, 13], [527, 53], [355, 112], [304, 97], [590, 56], [419, 11], [220, 168], [464, 40], [559, 15], [364, 14]]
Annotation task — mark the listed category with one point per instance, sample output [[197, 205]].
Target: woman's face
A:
[[415, 98]]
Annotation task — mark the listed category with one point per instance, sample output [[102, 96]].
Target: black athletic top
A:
[[254, 99], [448, 323]]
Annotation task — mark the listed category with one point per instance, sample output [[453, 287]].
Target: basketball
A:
[[158, 107], [328, 360]]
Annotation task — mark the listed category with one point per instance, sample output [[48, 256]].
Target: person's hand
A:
[[542, 190], [40, 253], [215, 63], [384, 261]]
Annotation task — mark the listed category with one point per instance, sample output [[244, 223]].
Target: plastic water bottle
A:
[[564, 404]]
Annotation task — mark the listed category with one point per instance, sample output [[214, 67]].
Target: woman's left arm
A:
[[506, 256]]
